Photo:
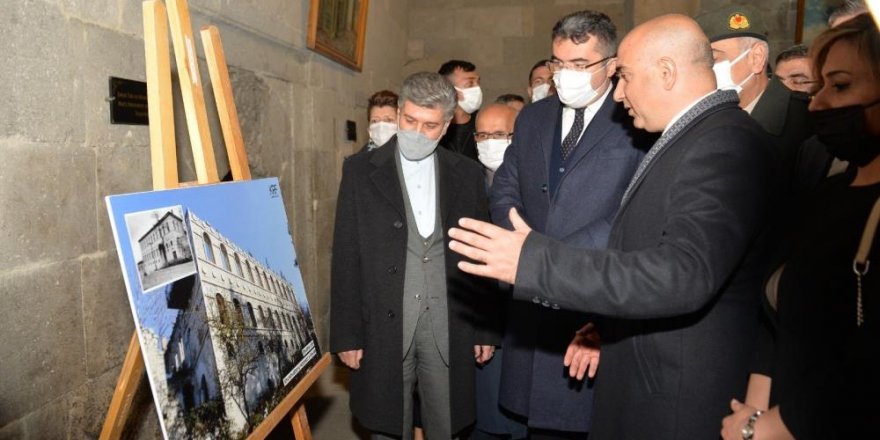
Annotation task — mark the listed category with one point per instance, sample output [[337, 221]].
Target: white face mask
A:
[[724, 73], [540, 92], [491, 152], [380, 132], [472, 98], [575, 89], [415, 146]]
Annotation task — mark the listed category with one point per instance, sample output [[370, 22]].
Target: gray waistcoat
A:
[[424, 286]]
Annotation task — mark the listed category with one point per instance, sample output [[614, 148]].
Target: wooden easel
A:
[[163, 150]]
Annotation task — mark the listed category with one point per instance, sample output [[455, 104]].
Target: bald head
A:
[[677, 37], [496, 117], [665, 64]]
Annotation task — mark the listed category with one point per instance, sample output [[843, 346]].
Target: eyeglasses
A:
[[577, 66], [482, 135], [797, 80]]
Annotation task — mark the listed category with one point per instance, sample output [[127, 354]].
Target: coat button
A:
[[398, 224], [392, 269], [390, 314], [545, 303], [544, 188], [536, 300]]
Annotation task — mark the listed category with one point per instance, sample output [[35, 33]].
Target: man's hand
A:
[[352, 358], [482, 353], [497, 248], [582, 355]]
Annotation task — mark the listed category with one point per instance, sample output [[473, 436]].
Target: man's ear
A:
[[445, 127], [612, 68], [758, 58], [668, 72]]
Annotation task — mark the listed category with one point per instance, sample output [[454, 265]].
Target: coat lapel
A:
[[550, 123], [384, 177], [448, 184], [596, 130], [772, 107]]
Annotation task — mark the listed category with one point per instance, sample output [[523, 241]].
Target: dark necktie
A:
[[571, 140]]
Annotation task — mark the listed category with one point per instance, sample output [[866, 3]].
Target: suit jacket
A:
[[369, 260], [535, 384], [678, 287]]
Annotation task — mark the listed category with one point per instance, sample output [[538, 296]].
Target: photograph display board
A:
[[218, 301]]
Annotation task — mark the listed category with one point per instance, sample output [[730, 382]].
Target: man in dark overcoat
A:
[[572, 156], [402, 314]]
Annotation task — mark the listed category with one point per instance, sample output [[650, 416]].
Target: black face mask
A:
[[845, 135]]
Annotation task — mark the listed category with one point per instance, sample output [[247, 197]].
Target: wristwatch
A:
[[748, 431]]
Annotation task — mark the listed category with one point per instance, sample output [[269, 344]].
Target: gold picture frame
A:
[[337, 30]]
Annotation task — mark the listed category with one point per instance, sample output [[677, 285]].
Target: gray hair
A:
[[431, 90], [580, 26], [847, 10]]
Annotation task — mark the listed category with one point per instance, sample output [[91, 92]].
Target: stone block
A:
[[115, 175], [496, 21], [271, 20], [521, 53], [104, 13], [481, 50], [107, 318], [326, 182], [110, 54], [42, 327], [42, 86], [415, 49], [88, 404], [47, 195], [47, 422], [432, 23]]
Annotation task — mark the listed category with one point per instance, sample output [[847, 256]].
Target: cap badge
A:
[[738, 21]]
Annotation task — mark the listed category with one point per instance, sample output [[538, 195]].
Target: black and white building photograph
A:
[[161, 246]]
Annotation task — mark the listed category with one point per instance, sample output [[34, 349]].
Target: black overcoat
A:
[[367, 279], [678, 287]]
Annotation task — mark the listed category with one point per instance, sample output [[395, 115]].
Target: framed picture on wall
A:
[[812, 18], [337, 30]]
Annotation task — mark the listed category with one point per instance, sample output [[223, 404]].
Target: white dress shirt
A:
[[589, 111], [420, 180]]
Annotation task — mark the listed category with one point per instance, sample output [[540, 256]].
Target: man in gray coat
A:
[[402, 315], [678, 285]]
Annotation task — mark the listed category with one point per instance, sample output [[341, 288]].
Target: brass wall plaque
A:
[[128, 102]]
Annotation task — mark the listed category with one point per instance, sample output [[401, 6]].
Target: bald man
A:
[[678, 287], [494, 129]]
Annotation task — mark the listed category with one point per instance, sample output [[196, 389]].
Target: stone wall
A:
[[66, 321], [504, 38]]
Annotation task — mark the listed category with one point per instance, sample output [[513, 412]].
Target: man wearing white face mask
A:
[[464, 76], [402, 315], [570, 160], [738, 38], [494, 131], [540, 81]]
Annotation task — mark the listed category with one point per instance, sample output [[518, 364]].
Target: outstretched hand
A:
[[582, 355], [495, 249]]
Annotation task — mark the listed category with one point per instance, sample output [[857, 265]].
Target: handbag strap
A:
[[867, 238], [861, 264]]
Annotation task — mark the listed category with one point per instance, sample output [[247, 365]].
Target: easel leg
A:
[[300, 422], [126, 386]]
